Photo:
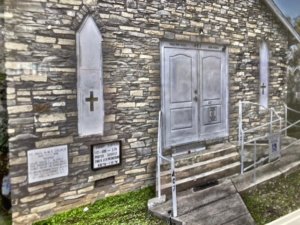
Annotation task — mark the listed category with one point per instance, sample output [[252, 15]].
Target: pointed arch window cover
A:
[[89, 79], [264, 75]]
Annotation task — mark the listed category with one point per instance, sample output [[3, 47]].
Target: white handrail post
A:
[[240, 121], [271, 124], [254, 178], [242, 153], [285, 115], [173, 182], [158, 186]]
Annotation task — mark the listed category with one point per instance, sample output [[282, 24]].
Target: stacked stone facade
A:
[[40, 48]]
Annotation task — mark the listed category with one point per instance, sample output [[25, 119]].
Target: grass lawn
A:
[[130, 208], [273, 199]]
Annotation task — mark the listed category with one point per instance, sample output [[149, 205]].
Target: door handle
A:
[[195, 98]]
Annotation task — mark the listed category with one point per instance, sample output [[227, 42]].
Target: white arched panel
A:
[[89, 79], [264, 75]]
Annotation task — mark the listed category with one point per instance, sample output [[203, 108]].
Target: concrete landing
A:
[[220, 204], [288, 163]]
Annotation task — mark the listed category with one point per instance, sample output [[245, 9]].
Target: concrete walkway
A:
[[218, 205], [290, 219]]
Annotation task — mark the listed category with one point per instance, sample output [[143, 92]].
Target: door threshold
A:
[[187, 152]]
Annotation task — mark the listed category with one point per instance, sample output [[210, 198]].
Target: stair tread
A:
[[202, 163], [201, 175], [208, 153]]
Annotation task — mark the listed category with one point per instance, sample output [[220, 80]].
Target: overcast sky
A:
[[290, 8]]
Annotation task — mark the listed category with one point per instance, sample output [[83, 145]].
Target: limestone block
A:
[[89, 2], [35, 78], [19, 109], [18, 180], [40, 187], [102, 176], [196, 24], [16, 46], [84, 190], [67, 70], [154, 32], [18, 161], [66, 41], [127, 28], [110, 118], [54, 142], [142, 104], [81, 158], [110, 138], [48, 118], [27, 219], [23, 93], [46, 40], [126, 105], [70, 2], [44, 207], [32, 198], [66, 194], [137, 93], [137, 144], [134, 171], [46, 129]]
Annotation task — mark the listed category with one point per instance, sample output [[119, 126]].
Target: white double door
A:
[[194, 94]]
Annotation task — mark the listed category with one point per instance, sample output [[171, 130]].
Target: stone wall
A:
[[1, 36], [41, 75]]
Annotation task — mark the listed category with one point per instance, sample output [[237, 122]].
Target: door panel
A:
[[181, 80], [213, 106], [211, 82], [181, 110]]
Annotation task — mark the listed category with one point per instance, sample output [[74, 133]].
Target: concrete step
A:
[[211, 152], [203, 178], [220, 212], [217, 205], [200, 167]]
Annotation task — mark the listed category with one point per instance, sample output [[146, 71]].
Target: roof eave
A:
[[282, 18]]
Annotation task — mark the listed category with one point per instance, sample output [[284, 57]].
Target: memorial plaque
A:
[[106, 155], [47, 163], [274, 146]]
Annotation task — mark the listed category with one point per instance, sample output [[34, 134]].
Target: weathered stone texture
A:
[[41, 74]]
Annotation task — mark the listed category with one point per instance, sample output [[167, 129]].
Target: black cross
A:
[[263, 86], [212, 114], [91, 99]]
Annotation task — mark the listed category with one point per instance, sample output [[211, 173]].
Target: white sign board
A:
[[274, 146], [105, 155], [47, 163]]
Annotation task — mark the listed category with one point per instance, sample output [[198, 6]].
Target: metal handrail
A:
[[242, 133], [258, 127], [171, 160], [291, 109]]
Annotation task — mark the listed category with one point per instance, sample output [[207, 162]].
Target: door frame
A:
[[194, 46]]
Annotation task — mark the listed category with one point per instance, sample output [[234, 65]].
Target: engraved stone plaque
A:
[[47, 163], [106, 155]]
